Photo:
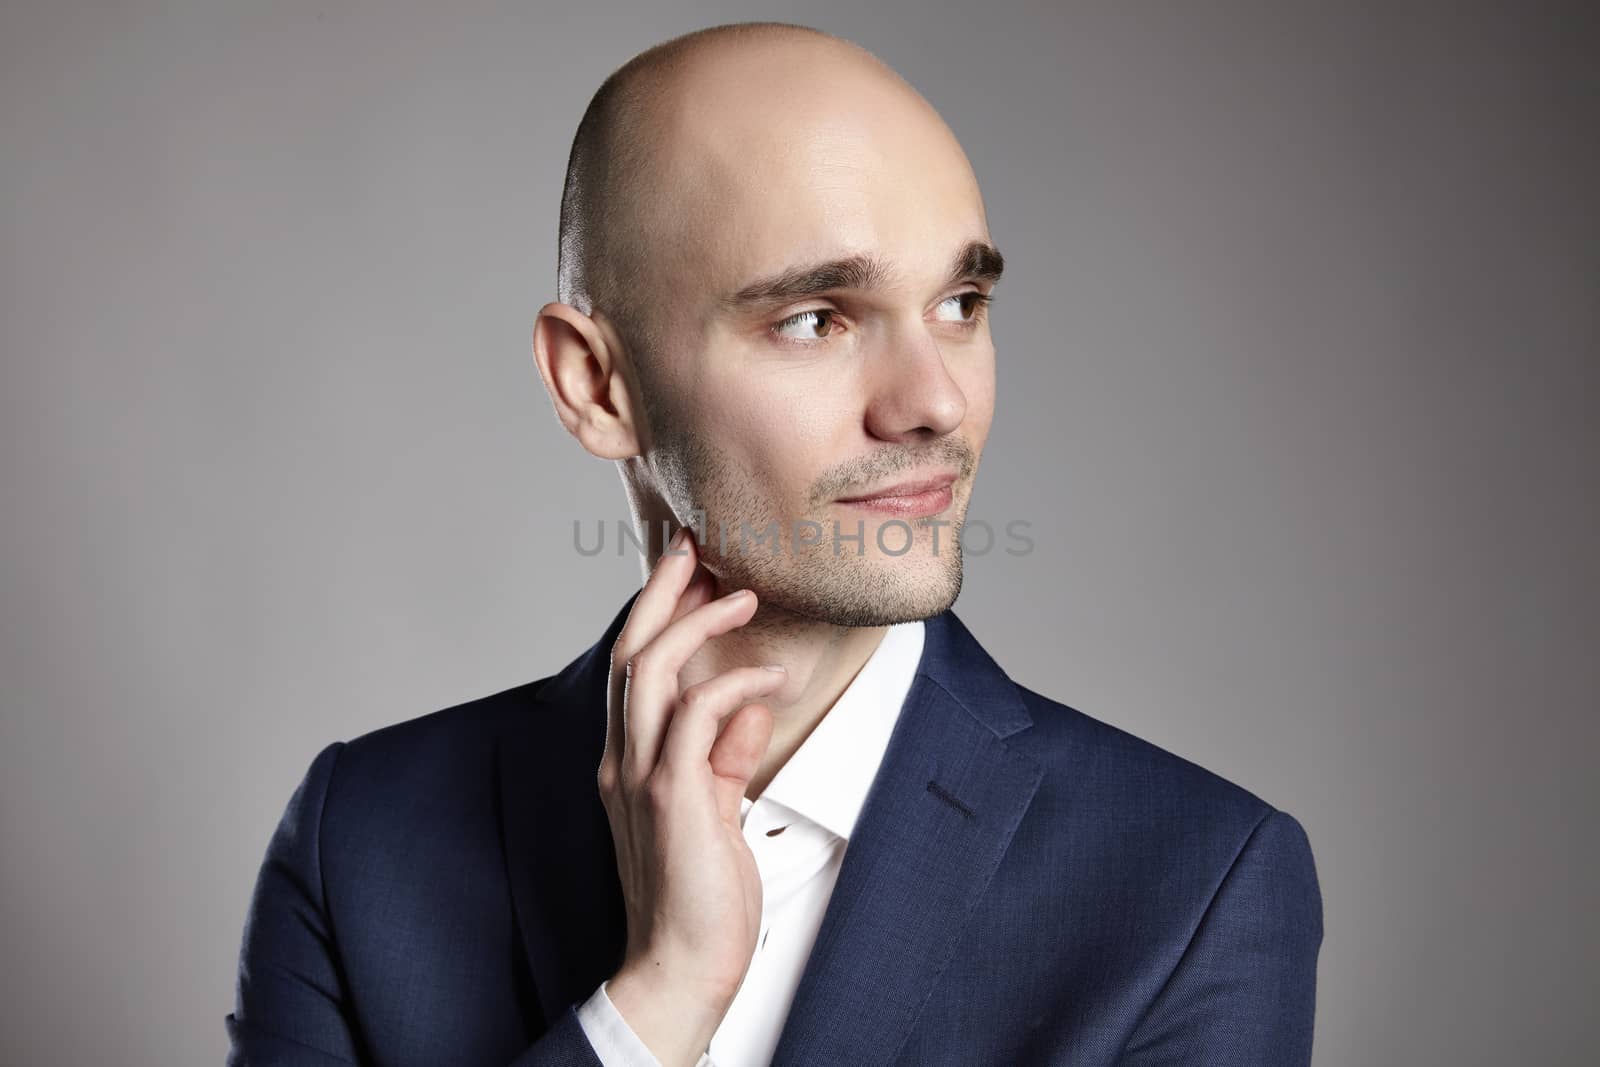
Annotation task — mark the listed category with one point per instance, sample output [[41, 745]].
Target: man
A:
[[786, 810]]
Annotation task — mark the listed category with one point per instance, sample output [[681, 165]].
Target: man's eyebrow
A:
[[978, 261], [974, 261]]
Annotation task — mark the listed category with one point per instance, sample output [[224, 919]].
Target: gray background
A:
[[1297, 367]]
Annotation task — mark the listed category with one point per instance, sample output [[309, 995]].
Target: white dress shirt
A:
[[798, 829]]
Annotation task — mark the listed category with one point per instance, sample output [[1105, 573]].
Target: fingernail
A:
[[780, 668], [738, 594], [677, 538]]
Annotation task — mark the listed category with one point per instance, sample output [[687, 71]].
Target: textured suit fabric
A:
[[1025, 885]]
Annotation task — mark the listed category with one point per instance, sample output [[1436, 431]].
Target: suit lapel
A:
[[936, 822], [560, 859]]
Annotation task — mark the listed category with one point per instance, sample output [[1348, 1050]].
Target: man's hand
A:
[[671, 787]]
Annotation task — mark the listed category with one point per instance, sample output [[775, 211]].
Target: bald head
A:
[[637, 176]]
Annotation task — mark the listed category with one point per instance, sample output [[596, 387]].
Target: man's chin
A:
[[876, 596]]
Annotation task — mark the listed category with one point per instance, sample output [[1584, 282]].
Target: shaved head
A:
[[616, 204]]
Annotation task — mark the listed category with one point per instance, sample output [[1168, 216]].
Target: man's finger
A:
[[701, 590], [736, 755], [652, 610], [652, 676], [701, 707]]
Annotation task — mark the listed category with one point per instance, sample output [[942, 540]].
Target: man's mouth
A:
[[912, 498]]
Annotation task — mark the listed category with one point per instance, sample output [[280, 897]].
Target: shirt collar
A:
[[827, 778]]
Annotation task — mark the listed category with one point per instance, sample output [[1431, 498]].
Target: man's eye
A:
[[969, 306], [807, 325]]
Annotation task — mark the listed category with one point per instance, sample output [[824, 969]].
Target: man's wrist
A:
[[676, 1021]]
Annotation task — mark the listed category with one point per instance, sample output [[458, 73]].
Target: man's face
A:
[[778, 407]]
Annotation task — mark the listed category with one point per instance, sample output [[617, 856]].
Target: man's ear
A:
[[579, 360]]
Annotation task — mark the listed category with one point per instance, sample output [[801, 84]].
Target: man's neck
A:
[[821, 659]]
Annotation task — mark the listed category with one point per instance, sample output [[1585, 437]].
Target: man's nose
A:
[[913, 392]]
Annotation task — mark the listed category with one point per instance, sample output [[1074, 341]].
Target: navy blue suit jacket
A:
[[1025, 885]]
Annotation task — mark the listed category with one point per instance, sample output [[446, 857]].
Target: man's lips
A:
[[906, 488], [915, 497]]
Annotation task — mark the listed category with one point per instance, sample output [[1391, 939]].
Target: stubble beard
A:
[[852, 585]]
